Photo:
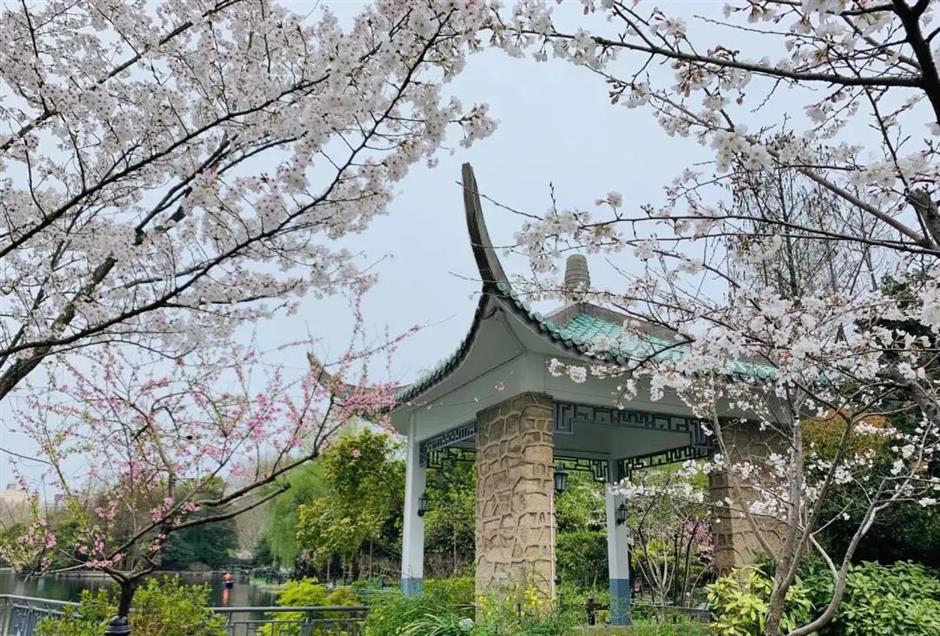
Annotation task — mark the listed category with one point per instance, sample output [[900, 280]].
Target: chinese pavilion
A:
[[494, 400]]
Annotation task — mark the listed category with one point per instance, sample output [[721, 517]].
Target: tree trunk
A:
[[455, 552], [120, 624]]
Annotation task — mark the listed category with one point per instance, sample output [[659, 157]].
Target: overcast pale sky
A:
[[555, 125]]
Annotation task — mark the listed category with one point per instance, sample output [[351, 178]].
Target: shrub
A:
[[161, 606], [304, 592], [452, 592], [896, 599], [391, 613], [740, 601], [524, 609], [582, 556], [902, 598]]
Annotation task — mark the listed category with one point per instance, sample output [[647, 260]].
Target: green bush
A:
[[309, 593], [582, 556], [740, 601], [391, 613], [902, 598], [161, 606], [451, 592]]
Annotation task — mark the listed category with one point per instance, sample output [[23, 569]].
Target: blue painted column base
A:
[[412, 587], [619, 602]]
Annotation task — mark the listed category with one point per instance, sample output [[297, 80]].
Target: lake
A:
[[70, 588]]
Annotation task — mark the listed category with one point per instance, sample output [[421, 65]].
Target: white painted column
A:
[[412, 544], [618, 559]]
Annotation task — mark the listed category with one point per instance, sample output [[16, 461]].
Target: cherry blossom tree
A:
[[173, 170], [669, 524], [138, 450], [832, 105]]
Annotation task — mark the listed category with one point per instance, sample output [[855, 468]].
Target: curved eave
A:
[[491, 274], [496, 286]]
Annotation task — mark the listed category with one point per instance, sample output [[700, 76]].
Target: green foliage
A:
[[581, 556], [445, 624], [306, 485], [581, 542], [685, 628], [451, 592], [391, 613], [211, 544], [898, 599], [905, 530], [305, 592], [365, 487], [668, 523], [161, 606], [740, 601], [450, 523], [581, 506], [523, 609], [902, 598]]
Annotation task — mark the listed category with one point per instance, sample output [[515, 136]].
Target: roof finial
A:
[[577, 276]]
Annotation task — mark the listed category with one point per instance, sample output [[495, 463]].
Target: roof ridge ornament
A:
[[491, 270]]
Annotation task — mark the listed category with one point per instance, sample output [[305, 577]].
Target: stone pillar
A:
[[618, 560], [515, 492], [736, 543], [412, 543]]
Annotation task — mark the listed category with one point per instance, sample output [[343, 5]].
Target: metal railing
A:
[[692, 613], [294, 621], [19, 616]]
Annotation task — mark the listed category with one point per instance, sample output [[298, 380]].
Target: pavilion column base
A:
[[412, 587], [515, 542], [619, 613]]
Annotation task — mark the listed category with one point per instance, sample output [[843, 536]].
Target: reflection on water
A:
[[70, 589]]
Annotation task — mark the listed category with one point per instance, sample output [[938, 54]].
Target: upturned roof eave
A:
[[495, 285]]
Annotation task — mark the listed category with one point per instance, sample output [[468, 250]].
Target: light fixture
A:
[[424, 504], [621, 513], [561, 480]]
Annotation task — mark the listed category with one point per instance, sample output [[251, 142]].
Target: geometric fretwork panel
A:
[[568, 414], [598, 468], [445, 439], [450, 455], [625, 467]]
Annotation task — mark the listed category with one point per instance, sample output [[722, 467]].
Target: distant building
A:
[[14, 505]]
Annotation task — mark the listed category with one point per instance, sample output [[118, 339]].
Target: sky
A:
[[555, 126]]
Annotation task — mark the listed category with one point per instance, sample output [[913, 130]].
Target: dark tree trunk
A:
[[120, 624]]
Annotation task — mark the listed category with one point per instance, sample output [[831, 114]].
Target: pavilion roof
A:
[[582, 329]]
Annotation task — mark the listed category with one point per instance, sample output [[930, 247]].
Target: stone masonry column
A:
[[736, 543], [515, 490]]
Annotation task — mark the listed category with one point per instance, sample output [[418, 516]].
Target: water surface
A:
[[70, 588]]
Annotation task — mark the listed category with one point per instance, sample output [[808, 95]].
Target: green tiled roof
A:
[[582, 334], [605, 337]]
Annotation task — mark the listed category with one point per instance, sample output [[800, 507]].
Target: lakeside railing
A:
[[313, 621], [19, 616]]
